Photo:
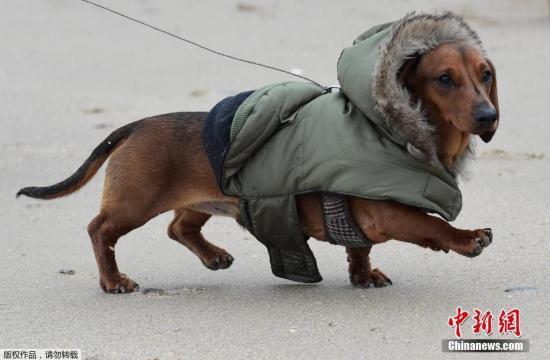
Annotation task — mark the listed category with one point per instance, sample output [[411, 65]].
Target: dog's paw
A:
[[121, 285], [367, 279], [483, 238], [222, 260]]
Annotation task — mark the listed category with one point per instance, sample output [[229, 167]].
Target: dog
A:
[[159, 164]]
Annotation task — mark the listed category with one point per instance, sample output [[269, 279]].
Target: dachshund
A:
[[159, 164]]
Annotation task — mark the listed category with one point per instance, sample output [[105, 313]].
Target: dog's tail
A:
[[85, 172]]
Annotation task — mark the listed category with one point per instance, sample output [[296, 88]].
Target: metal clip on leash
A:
[[331, 89]]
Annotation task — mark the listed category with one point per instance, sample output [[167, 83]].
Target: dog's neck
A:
[[451, 144]]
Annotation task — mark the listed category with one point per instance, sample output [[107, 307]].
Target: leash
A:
[[191, 42]]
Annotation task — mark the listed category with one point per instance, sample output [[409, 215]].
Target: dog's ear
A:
[[493, 96], [407, 71]]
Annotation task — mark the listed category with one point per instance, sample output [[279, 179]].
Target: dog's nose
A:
[[485, 115]]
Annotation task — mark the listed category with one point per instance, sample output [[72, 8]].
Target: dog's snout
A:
[[485, 115]]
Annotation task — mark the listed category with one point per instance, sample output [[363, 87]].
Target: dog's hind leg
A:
[[105, 230], [186, 229], [361, 273]]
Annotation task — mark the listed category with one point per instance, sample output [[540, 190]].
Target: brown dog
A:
[[159, 164]]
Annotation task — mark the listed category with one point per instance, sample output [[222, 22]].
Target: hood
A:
[[368, 75]]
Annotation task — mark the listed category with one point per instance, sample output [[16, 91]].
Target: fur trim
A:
[[415, 34]]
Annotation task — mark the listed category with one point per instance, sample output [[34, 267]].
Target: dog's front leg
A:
[[361, 272], [384, 220]]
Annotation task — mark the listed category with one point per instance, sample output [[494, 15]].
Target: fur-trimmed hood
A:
[[368, 75]]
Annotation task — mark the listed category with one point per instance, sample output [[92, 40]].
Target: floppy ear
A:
[[407, 71], [493, 95]]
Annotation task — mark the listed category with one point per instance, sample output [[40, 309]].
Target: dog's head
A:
[[457, 85], [422, 73]]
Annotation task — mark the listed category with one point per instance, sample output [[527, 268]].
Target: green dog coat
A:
[[369, 140]]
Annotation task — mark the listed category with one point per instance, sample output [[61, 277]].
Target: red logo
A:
[[508, 322]]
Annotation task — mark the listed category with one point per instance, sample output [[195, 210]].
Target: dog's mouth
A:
[[484, 128], [471, 128]]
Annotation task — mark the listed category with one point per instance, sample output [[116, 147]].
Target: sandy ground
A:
[[70, 74]]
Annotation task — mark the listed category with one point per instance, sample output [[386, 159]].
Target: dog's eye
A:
[[445, 80], [487, 76]]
